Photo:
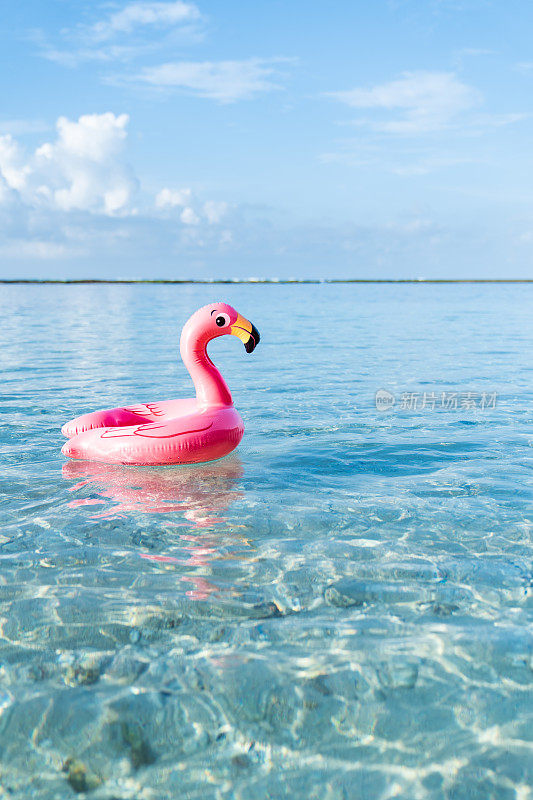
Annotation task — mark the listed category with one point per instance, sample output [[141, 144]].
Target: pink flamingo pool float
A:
[[172, 431]]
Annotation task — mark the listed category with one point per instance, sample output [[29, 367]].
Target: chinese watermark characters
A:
[[436, 401]]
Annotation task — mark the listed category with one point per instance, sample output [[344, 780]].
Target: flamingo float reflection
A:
[[200, 495]]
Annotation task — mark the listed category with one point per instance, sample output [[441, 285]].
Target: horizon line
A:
[[178, 281]]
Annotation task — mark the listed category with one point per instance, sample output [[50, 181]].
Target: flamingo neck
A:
[[211, 388]]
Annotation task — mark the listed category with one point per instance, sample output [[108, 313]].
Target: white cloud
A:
[[189, 217], [214, 211], [430, 101], [170, 198], [13, 171], [82, 169], [94, 136], [4, 191], [136, 15], [194, 212], [123, 35], [225, 81]]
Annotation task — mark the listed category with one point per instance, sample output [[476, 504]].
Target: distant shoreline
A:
[[179, 281]]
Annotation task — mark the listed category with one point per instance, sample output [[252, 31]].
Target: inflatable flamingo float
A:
[[172, 431]]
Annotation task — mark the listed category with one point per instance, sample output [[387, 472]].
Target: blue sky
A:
[[279, 139]]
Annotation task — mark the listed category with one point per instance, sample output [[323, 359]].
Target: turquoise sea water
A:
[[339, 610]]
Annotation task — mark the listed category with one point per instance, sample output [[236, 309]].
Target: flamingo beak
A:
[[246, 332]]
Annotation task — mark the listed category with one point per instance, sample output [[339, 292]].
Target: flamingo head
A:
[[218, 319]]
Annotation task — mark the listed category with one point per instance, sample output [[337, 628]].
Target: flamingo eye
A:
[[222, 320]]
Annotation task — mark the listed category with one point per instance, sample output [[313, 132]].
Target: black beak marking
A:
[[253, 341]]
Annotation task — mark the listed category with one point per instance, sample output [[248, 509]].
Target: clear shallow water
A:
[[341, 609]]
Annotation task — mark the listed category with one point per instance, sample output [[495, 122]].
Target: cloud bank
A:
[[76, 195], [81, 169]]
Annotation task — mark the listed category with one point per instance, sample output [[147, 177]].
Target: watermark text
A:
[[435, 401]]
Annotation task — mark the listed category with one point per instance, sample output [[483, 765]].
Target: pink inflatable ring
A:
[[172, 431]]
